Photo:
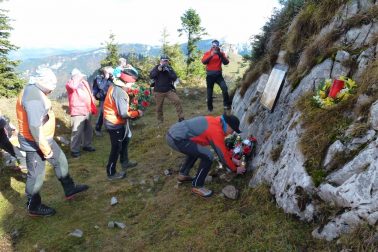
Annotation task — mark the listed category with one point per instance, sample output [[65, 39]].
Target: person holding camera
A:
[[100, 88], [164, 76], [213, 59], [81, 105]]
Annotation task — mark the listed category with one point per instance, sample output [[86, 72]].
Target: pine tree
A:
[[174, 52], [191, 26], [112, 56], [10, 83]]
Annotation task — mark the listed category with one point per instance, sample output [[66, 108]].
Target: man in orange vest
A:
[[213, 59], [116, 115], [36, 121]]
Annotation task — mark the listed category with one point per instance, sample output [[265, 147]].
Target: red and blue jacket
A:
[[205, 130]]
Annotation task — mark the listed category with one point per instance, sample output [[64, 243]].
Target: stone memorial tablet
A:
[[273, 86]]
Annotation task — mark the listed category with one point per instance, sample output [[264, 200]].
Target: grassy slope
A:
[[158, 216]]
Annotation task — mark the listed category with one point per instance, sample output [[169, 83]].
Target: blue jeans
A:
[[193, 151]]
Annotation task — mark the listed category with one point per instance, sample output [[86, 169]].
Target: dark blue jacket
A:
[[100, 87], [163, 79]]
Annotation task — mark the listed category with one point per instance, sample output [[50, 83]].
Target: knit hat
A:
[[44, 78], [232, 121]]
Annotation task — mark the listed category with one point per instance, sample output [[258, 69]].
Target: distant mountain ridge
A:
[[62, 61]]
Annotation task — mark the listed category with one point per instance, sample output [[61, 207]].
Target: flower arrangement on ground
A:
[[241, 149], [331, 92]]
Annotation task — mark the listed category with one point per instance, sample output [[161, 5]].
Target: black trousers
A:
[[210, 81], [119, 148], [5, 144], [100, 119]]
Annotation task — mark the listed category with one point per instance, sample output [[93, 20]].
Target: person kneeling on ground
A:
[[36, 136], [191, 137], [116, 115]]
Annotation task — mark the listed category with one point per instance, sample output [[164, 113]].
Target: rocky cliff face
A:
[[353, 187]]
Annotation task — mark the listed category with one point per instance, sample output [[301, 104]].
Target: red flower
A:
[[130, 92], [246, 150], [135, 91], [135, 101], [145, 104], [146, 92]]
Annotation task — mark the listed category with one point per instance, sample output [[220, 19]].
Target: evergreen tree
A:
[[10, 83], [174, 52], [191, 26], [164, 41], [112, 56]]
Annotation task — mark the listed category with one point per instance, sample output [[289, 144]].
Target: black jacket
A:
[[163, 79]]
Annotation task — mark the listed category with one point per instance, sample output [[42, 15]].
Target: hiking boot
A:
[[70, 189], [202, 191], [98, 133], [36, 208], [41, 210], [89, 149], [130, 164], [75, 154], [117, 176], [181, 119], [184, 178]]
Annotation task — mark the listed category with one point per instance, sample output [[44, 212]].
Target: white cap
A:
[[76, 71], [44, 78]]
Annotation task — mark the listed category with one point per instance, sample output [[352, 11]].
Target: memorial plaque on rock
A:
[[273, 86]]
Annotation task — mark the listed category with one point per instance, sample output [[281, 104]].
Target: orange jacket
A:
[[116, 107]]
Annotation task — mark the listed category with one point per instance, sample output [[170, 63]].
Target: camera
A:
[[165, 68]]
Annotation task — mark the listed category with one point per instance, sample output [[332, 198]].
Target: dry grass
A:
[[363, 18], [314, 54], [253, 73], [364, 238], [322, 127]]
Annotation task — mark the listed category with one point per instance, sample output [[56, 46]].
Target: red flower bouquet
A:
[[140, 96], [241, 149]]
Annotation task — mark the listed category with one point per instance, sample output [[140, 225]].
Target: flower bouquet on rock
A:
[[241, 149], [331, 92]]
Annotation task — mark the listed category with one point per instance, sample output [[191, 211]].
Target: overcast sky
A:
[[88, 23]]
